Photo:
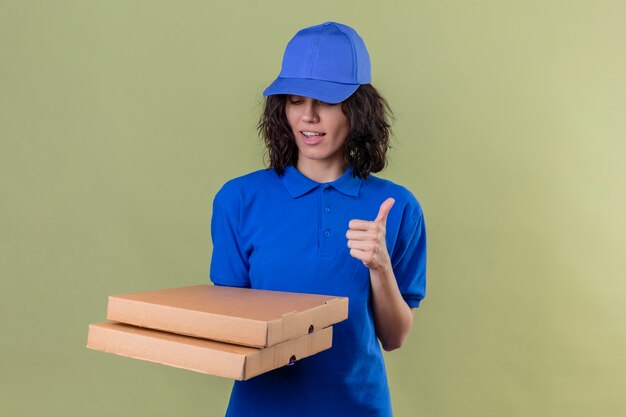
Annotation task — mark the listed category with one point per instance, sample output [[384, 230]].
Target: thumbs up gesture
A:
[[366, 239]]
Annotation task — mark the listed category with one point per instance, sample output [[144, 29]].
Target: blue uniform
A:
[[288, 233]]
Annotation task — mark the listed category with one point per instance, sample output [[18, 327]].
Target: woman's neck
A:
[[321, 171]]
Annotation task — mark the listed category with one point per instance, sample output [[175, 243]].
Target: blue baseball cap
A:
[[326, 62]]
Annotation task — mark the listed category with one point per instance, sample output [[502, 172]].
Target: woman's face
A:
[[320, 129]]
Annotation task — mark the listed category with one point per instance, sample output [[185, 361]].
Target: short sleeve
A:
[[229, 263], [409, 255]]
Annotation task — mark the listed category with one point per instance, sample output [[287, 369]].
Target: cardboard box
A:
[[243, 316], [201, 355]]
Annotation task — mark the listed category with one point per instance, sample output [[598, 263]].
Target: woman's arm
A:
[[392, 315]]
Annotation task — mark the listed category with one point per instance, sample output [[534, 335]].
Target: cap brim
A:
[[325, 91]]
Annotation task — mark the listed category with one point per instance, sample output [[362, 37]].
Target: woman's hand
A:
[[366, 239], [392, 315]]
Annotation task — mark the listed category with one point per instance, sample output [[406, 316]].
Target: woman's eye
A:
[[299, 101]]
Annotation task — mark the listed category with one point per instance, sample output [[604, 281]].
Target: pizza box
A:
[[242, 316], [203, 355]]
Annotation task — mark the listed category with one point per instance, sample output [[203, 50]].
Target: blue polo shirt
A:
[[288, 233]]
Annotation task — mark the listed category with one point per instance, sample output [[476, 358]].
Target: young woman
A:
[[316, 221]]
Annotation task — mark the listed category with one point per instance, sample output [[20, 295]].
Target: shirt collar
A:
[[297, 184]]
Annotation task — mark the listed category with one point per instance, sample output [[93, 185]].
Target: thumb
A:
[[385, 207]]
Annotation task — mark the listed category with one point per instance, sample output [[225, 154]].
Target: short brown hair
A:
[[366, 147]]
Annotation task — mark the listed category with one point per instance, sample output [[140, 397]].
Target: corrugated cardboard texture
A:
[[202, 355], [243, 316]]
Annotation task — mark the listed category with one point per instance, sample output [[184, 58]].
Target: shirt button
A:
[[326, 233], [327, 209], [327, 189]]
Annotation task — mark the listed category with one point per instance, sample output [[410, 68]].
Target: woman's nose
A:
[[310, 111]]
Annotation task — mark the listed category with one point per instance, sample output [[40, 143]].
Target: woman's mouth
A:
[[311, 138]]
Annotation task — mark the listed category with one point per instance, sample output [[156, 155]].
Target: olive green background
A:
[[119, 121]]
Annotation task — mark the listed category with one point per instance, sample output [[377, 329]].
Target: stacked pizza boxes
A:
[[230, 332]]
